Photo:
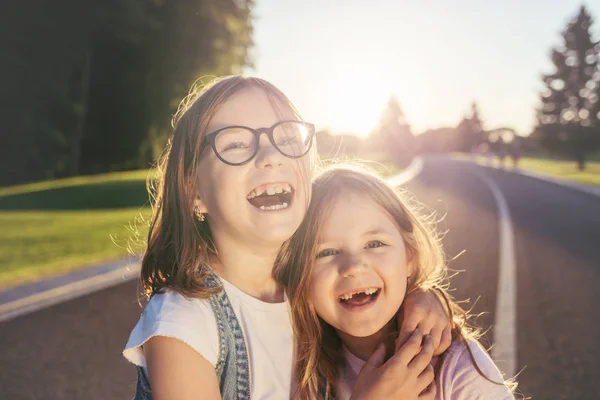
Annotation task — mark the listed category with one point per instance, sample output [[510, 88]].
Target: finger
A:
[[411, 348], [429, 393], [426, 378], [436, 334], [407, 324], [445, 342], [420, 362], [377, 358], [426, 324]]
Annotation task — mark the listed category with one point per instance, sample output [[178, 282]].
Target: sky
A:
[[339, 61]]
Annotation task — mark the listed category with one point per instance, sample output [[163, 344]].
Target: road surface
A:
[[73, 350]]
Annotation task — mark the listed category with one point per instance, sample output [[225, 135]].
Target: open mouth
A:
[[272, 196], [359, 298]]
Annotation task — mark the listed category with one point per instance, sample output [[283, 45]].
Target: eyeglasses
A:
[[237, 145]]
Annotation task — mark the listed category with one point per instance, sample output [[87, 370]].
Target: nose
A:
[[268, 156], [352, 266]]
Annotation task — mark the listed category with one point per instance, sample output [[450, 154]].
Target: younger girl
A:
[[233, 186], [359, 252]]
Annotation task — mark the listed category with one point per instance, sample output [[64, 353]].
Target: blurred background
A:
[[512, 88]]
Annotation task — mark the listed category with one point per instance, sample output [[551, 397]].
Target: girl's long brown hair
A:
[[179, 245], [317, 345]]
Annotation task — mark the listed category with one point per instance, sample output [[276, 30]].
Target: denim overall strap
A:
[[233, 367], [142, 388]]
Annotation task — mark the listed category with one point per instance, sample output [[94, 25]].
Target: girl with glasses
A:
[[234, 185]]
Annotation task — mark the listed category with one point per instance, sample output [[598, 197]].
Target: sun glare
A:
[[356, 99]]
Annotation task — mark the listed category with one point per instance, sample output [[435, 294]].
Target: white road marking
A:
[[504, 351], [414, 169], [66, 292]]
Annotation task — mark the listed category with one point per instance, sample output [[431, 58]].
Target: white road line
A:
[[414, 169], [504, 351], [66, 292]]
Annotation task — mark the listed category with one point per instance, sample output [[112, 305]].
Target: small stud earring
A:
[[199, 216]]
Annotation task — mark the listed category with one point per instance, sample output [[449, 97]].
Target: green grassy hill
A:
[[57, 226], [564, 169], [54, 227]]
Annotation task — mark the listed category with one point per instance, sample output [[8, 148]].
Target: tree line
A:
[[568, 117], [89, 86]]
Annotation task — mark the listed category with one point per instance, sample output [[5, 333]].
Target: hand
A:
[[424, 310], [407, 375]]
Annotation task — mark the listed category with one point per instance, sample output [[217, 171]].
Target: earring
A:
[[199, 216]]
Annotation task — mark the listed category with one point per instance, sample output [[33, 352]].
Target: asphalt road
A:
[[73, 350], [557, 252]]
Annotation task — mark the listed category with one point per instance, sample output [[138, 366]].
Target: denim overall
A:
[[233, 369]]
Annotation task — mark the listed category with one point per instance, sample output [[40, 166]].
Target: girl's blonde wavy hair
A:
[[317, 345]]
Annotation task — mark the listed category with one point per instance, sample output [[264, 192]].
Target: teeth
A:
[[274, 207], [368, 292], [271, 190]]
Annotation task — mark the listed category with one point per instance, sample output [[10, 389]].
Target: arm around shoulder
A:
[[179, 372]]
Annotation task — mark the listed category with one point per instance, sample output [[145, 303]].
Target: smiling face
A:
[[262, 201], [359, 278]]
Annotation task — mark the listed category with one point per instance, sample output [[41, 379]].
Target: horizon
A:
[[435, 77]]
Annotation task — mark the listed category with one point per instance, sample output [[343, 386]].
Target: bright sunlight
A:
[[356, 97]]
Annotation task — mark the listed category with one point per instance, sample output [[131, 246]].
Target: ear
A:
[[410, 266], [198, 203]]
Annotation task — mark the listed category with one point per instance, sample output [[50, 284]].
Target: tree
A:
[[567, 117], [469, 132], [393, 136], [52, 48], [146, 81], [91, 86]]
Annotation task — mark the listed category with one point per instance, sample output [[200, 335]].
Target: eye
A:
[[326, 253], [236, 145], [287, 141], [373, 244]]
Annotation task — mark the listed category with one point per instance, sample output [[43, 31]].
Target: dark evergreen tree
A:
[[91, 86], [567, 117]]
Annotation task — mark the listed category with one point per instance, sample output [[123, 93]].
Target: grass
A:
[[78, 181], [54, 227], [562, 169], [59, 226]]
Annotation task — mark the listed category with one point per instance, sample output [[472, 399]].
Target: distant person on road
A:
[[359, 251], [515, 154], [217, 324], [487, 152]]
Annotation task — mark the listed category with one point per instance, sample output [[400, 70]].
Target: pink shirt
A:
[[457, 380]]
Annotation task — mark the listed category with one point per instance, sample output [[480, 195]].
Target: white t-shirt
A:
[[267, 330], [457, 380]]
